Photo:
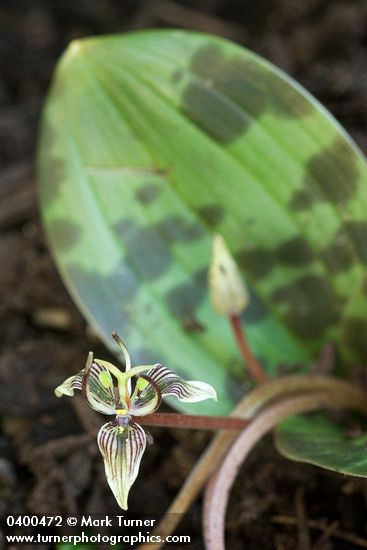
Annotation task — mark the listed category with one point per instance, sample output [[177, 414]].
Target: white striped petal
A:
[[146, 397], [70, 385], [98, 388], [189, 391], [122, 447]]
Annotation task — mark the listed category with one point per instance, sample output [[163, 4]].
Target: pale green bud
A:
[[228, 293]]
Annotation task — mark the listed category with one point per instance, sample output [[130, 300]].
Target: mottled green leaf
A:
[[153, 141], [316, 440]]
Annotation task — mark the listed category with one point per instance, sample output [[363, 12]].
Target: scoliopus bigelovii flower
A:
[[108, 390]]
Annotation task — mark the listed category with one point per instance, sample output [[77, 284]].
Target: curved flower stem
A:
[[247, 408], [252, 364], [217, 493]]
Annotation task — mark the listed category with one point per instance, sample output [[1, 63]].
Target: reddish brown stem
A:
[[251, 362], [250, 406], [191, 421], [218, 489]]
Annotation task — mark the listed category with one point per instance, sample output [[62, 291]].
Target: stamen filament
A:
[[135, 371], [113, 370], [124, 378], [124, 349]]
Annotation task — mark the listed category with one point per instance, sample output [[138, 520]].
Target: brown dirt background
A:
[[48, 464]]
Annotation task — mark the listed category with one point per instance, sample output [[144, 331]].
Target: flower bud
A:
[[228, 293]]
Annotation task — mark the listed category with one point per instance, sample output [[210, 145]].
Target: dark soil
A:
[[48, 463]]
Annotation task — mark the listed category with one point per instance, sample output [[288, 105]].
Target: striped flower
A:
[[108, 390]]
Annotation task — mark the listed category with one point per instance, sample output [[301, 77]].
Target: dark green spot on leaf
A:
[[355, 336], [212, 214], [357, 232], [184, 299], [147, 251], [257, 262], [179, 229], [312, 307], [338, 256], [296, 252], [303, 199], [64, 234], [147, 193], [256, 310], [335, 171]]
